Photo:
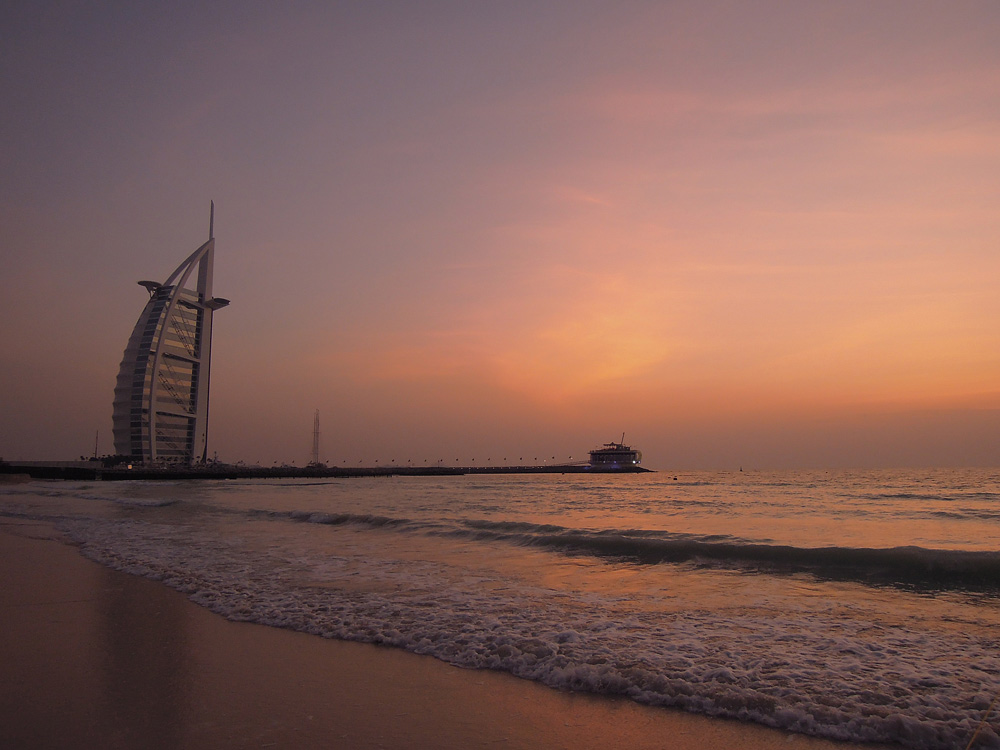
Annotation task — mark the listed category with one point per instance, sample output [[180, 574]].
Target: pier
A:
[[95, 471]]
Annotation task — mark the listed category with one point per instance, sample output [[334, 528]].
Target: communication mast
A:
[[315, 453]]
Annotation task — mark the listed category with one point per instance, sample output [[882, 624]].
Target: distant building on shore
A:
[[161, 396]]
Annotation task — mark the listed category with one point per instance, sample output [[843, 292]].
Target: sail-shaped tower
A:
[[161, 396]]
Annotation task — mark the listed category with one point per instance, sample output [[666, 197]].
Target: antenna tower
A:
[[315, 453]]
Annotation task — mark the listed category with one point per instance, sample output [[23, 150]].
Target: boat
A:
[[615, 456]]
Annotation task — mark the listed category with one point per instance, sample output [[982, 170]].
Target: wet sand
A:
[[93, 657]]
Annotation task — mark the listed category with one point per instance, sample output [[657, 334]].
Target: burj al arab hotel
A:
[[161, 396]]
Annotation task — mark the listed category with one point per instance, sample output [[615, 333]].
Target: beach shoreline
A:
[[94, 656]]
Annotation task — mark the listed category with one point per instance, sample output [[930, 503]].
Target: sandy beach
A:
[[95, 657]]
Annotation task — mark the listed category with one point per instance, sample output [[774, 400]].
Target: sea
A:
[[854, 605]]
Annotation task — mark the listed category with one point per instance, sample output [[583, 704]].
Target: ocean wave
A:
[[935, 497], [332, 519], [856, 679], [513, 526], [46, 489], [911, 567], [966, 514]]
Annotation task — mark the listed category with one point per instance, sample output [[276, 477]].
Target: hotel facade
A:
[[161, 395]]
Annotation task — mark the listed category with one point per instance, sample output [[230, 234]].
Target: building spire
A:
[[211, 221]]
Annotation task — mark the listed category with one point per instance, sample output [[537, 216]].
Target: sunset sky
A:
[[744, 233]]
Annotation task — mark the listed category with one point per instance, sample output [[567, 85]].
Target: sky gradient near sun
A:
[[762, 234]]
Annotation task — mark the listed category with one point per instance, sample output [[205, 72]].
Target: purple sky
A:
[[761, 234]]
